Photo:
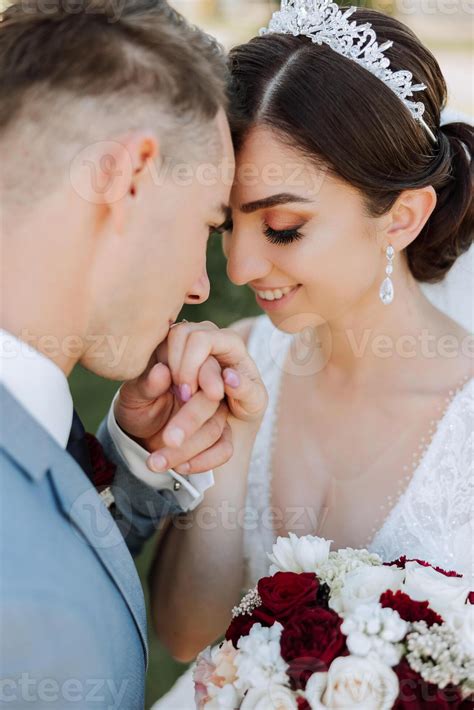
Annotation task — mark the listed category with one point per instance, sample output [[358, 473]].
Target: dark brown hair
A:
[[125, 62], [338, 114]]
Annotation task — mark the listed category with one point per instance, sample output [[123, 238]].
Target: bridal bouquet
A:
[[344, 630]]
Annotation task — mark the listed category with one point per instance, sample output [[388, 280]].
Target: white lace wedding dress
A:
[[433, 519]]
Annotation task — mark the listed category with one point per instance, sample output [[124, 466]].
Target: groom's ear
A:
[[132, 165], [409, 215]]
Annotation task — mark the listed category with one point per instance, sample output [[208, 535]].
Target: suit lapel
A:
[[36, 452]]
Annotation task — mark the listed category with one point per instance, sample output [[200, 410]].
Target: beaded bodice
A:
[[432, 519]]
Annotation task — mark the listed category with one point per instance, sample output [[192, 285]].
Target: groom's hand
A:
[[145, 409]]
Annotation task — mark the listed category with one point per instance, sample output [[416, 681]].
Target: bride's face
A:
[[301, 238]]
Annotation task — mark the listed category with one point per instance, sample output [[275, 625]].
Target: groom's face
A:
[[160, 263]]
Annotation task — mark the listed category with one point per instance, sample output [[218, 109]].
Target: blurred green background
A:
[[234, 21]]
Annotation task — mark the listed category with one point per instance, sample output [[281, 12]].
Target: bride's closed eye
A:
[[283, 236], [275, 236]]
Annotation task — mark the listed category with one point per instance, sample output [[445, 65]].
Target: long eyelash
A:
[[283, 236], [226, 227]]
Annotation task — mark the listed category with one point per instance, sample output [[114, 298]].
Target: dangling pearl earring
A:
[[386, 290]]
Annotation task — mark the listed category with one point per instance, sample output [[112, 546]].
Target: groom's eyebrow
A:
[[282, 198]]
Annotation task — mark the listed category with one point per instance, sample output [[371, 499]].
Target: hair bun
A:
[[450, 230]]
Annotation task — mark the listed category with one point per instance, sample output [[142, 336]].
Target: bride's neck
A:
[[374, 341]]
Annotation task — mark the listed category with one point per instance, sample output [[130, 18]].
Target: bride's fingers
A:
[[216, 456], [188, 420], [225, 345], [247, 398], [210, 380], [207, 436], [176, 345]]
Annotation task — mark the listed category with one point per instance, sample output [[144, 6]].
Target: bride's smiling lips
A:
[[274, 298]]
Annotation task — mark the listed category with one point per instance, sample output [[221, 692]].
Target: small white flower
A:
[[259, 663], [274, 697], [376, 632], [462, 622], [425, 584], [365, 585], [298, 554], [333, 572], [356, 683]]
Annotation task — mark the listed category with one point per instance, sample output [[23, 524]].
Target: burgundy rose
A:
[[401, 562], [302, 704], [409, 609], [283, 593], [470, 598], [241, 625], [417, 694], [310, 641]]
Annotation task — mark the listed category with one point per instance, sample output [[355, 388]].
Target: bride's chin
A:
[[293, 323]]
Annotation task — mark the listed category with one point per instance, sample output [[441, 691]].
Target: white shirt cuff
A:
[[188, 496]]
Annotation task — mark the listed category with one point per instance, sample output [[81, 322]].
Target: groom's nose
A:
[[200, 291]]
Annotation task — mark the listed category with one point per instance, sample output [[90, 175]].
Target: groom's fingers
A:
[[189, 420], [213, 458], [148, 387], [203, 440]]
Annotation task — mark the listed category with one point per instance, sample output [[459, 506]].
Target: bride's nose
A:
[[246, 260]]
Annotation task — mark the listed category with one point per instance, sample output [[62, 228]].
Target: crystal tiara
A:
[[324, 22]]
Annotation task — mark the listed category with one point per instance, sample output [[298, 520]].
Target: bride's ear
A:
[[408, 216]]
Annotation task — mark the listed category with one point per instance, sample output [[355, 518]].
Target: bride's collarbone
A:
[[340, 468]]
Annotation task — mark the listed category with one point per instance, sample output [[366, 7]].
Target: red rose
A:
[[401, 562], [310, 641], [283, 593], [470, 598], [302, 704], [241, 625], [409, 609], [417, 694]]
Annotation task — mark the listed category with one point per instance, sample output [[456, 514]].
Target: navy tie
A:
[[78, 448]]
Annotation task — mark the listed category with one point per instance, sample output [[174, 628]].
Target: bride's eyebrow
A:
[[282, 198]]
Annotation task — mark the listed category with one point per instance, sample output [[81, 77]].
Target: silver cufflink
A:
[[107, 497], [177, 486]]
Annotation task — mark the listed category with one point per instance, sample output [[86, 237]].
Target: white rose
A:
[[462, 622], [364, 585], [425, 584], [356, 683], [274, 697], [298, 554], [225, 698]]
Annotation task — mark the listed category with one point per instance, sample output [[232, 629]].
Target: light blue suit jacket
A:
[[72, 613]]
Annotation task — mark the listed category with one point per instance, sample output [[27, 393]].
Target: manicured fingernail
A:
[[175, 436], [232, 378], [185, 392], [158, 463]]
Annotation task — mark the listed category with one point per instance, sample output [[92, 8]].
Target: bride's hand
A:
[[192, 349], [146, 406]]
